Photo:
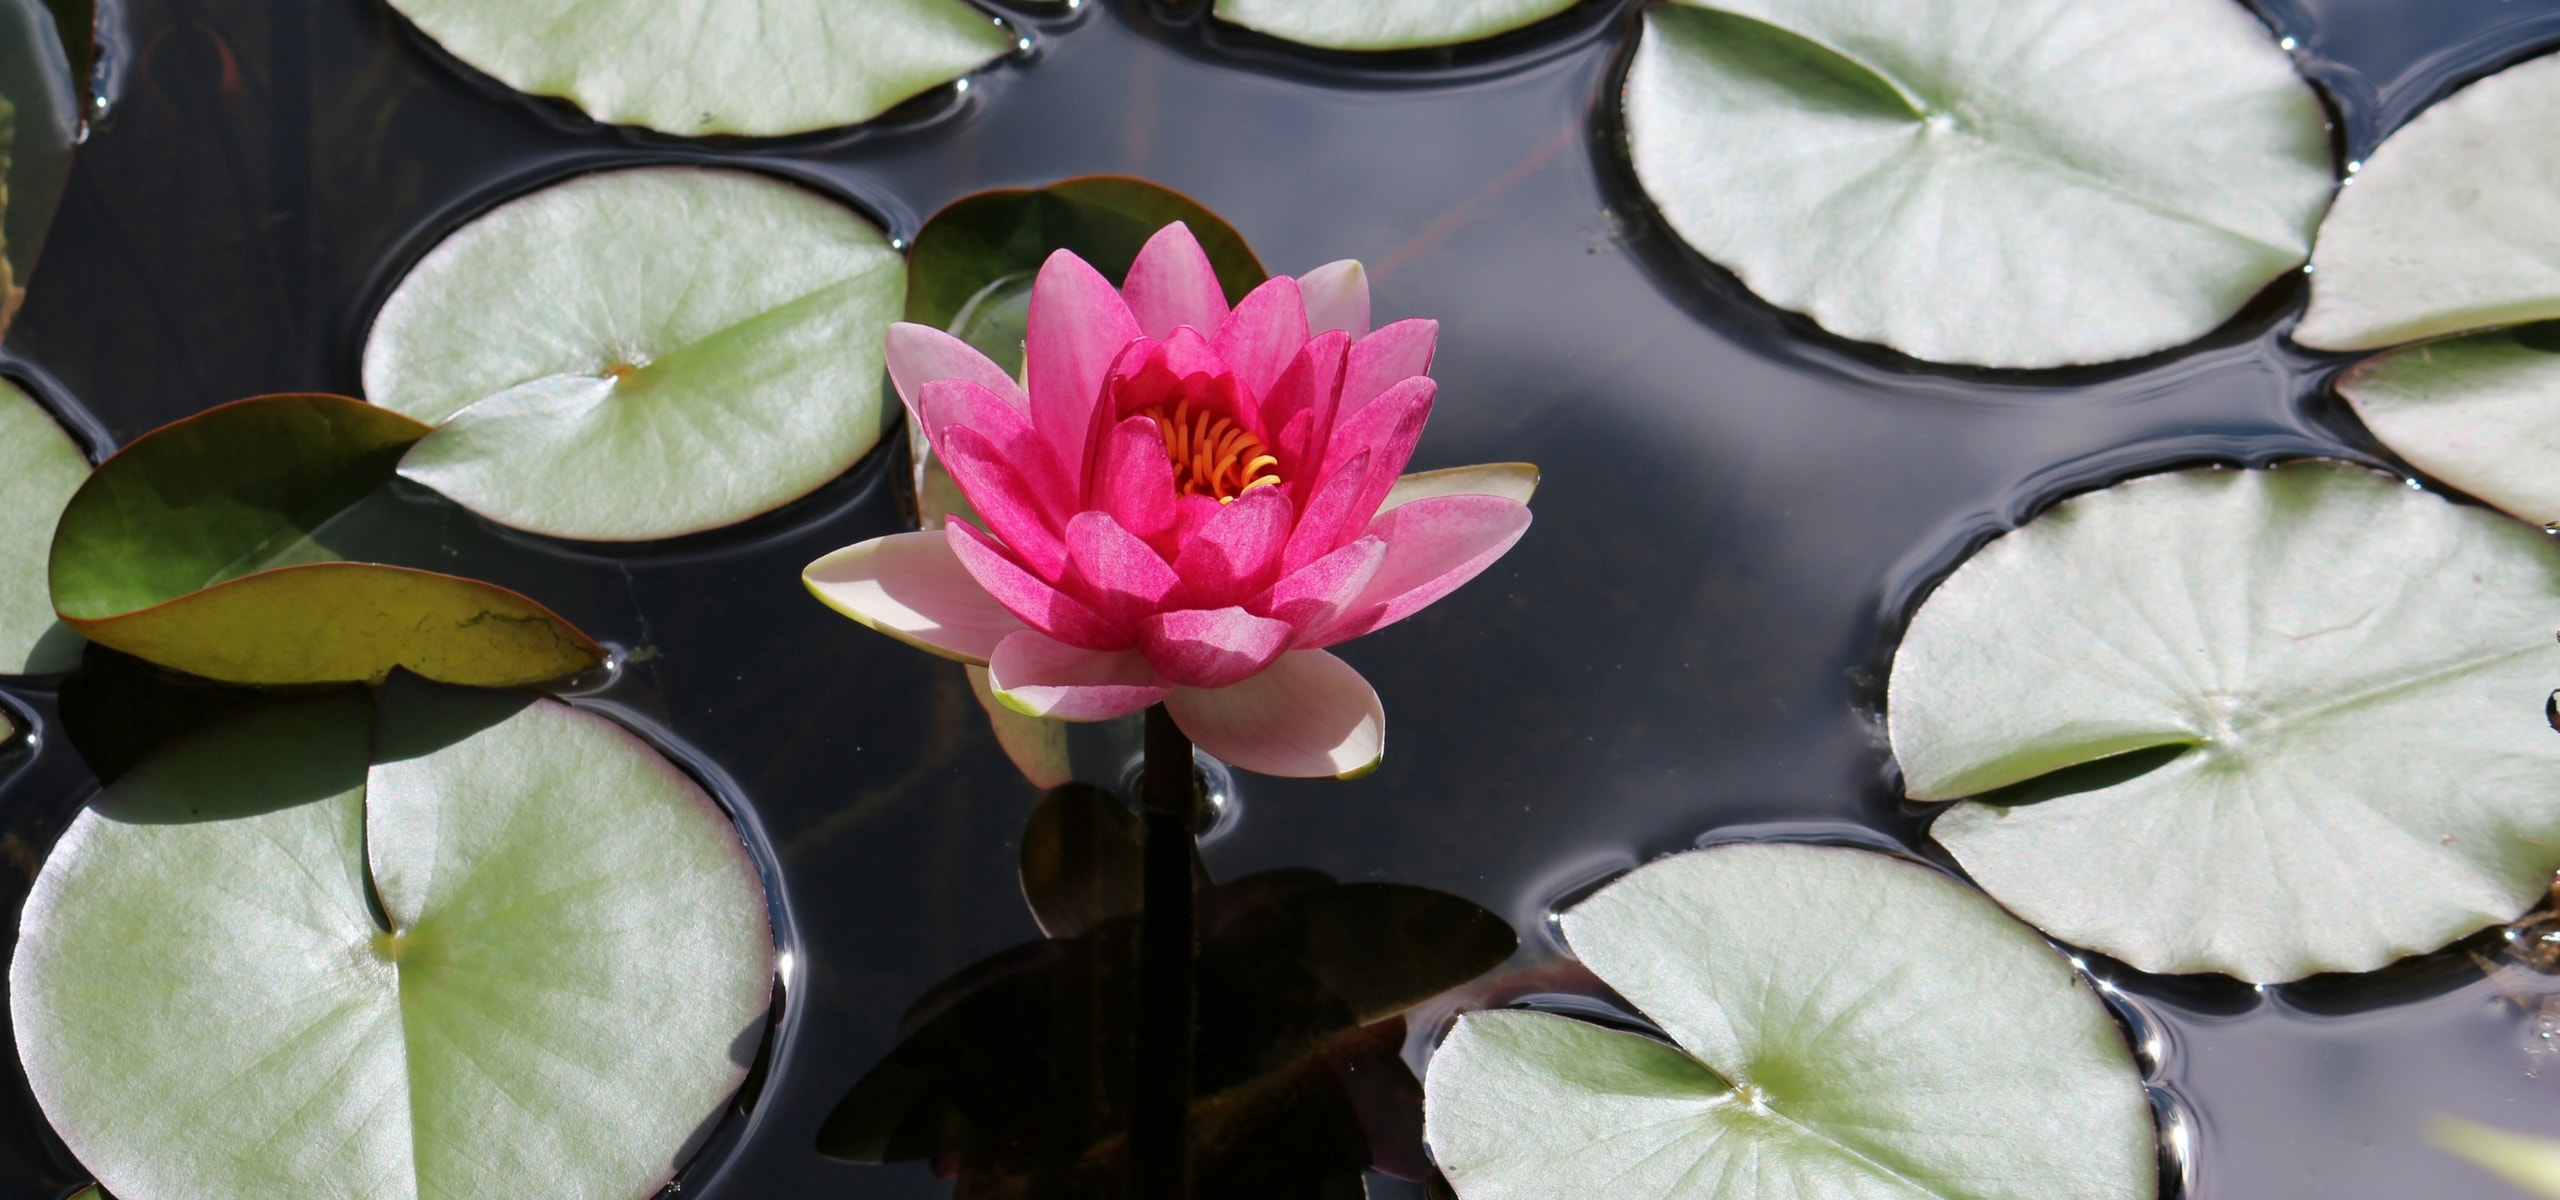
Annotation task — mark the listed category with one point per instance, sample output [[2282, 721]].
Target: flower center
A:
[[1212, 456]]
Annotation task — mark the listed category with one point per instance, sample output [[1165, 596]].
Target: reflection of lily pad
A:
[[1386, 24], [640, 354], [1842, 1023], [2003, 184], [39, 123], [576, 966], [2335, 687], [757, 67], [204, 546], [40, 466]]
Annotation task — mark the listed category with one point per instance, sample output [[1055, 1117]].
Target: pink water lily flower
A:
[[1183, 504]]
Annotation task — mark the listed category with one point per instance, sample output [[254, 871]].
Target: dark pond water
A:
[[1737, 511]]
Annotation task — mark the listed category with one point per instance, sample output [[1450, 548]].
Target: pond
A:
[[1737, 516]]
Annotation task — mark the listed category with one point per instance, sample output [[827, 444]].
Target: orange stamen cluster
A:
[[1212, 456]]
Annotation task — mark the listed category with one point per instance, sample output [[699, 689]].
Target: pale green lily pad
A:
[[641, 354], [1386, 24], [2033, 184], [40, 466], [2481, 413], [2452, 224], [2306, 704], [579, 971], [762, 68], [1843, 1024]]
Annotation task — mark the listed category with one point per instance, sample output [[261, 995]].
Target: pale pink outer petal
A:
[[921, 354], [1172, 284], [1511, 481], [1037, 675], [1307, 717], [1078, 326], [1037, 747], [1384, 359], [1259, 338], [913, 588], [1433, 546], [1337, 296], [1212, 648]]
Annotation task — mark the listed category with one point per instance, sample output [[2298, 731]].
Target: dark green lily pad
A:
[[1106, 219]]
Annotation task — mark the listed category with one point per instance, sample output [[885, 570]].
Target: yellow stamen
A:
[[1212, 456]]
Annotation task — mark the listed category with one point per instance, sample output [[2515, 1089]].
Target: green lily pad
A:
[[2481, 413], [574, 969], [1386, 24], [2530, 1163], [2033, 184], [983, 239], [39, 125], [2336, 684], [641, 354], [1841, 1023], [2450, 223], [204, 547], [40, 466], [762, 69]]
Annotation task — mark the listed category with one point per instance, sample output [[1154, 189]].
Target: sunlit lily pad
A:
[[40, 466], [2481, 413], [2267, 723], [2452, 224], [575, 972], [1386, 24], [640, 354], [2001, 184], [204, 546], [756, 67], [1841, 1024]]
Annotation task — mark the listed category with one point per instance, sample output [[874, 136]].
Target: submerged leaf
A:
[[2530, 1163], [203, 547], [1844, 1023], [758, 67], [40, 466], [576, 965], [1386, 24], [2001, 184], [2356, 672], [641, 353]]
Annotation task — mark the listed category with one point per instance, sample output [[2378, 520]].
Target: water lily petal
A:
[[1172, 284], [1043, 677], [1123, 577], [1337, 296], [1433, 546], [1311, 598], [1007, 502], [1511, 481], [1386, 358], [958, 403], [913, 588], [1211, 647], [1308, 716], [1327, 515], [1077, 327], [1259, 338], [920, 354], [1029, 597], [1133, 481], [1297, 414], [1237, 552], [1387, 429]]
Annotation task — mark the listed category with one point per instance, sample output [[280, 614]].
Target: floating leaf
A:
[[203, 547], [40, 466], [576, 966], [2453, 222], [2481, 413], [2530, 1163], [1386, 24], [1843, 1023], [984, 239], [763, 69], [2341, 681], [39, 124], [2008, 185], [641, 354]]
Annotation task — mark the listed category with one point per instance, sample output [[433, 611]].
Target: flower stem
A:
[[1160, 1089]]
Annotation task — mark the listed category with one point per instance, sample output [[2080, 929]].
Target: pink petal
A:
[[1211, 648], [1025, 595], [921, 354], [1172, 284], [1386, 358], [1078, 326], [1309, 716], [1237, 552], [1039, 676], [957, 403], [1337, 296], [1313, 597], [1260, 337], [1301, 402], [913, 588], [1387, 430], [1322, 527], [1122, 577], [1012, 510], [1133, 480], [1433, 546]]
